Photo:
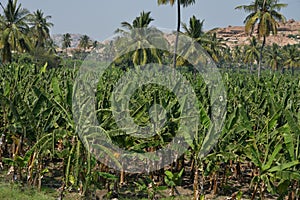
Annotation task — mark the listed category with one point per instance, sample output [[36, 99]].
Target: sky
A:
[[100, 18]]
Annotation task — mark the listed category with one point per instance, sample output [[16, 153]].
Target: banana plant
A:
[[173, 179], [265, 150]]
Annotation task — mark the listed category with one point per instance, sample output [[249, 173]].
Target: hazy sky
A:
[[100, 18]]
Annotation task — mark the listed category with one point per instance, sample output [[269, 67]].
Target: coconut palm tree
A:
[[210, 42], [66, 41], [137, 40], [265, 14], [215, 46], [142, 21], [251, 52], [226, 58], [95, 44], [184, 3], [195, 29], [84, 42], [237, 55], [40, 27], [273, 56], [291, 56], [51, 46], [14, 28]]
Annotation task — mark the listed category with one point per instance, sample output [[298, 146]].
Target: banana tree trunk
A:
[[40, 169], [2, 148], [215, 185], [254, 192], [3, 144], [122, 177], [196, 177]]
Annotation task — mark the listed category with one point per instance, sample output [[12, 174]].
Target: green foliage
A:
[[261, 128], [173, 179], [8, 193]]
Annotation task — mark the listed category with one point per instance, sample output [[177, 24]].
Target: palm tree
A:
[[237, 55], [66, 41], [291, 56], [14, 28], [51, 46], [195, 29], [137, 41], [215, 46], [95, 44], [84, 42], [273, 56], [143, 21], [184, 3], [40, 27], [265, 13], [227, 58], [252, 52]]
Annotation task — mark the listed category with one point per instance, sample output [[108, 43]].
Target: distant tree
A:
[[251, 52], [95, 44], [40, 28], [14, 28], [265, 14], [138, 34], [273, 56], [66, 41], [84, 42], [51, 46], [291, 56], [237, 55], [194, 29], [226, 58], [142, 21], [215, 47]]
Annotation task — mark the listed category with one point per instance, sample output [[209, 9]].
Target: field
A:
[[149, 113], [257, 154]]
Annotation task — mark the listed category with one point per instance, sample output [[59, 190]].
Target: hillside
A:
[[288, 33]]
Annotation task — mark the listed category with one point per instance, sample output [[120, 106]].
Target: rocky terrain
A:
[[288, 33]]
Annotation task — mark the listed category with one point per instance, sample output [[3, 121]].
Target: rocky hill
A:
[[288, 33]]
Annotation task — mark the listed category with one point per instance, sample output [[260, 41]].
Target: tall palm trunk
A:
[[177, 33], [261, 49], [6, 54], [261, 56]]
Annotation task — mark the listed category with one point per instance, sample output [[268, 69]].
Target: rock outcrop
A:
[[288, 33]]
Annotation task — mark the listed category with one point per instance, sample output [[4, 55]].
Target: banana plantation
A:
[[255, 156]]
